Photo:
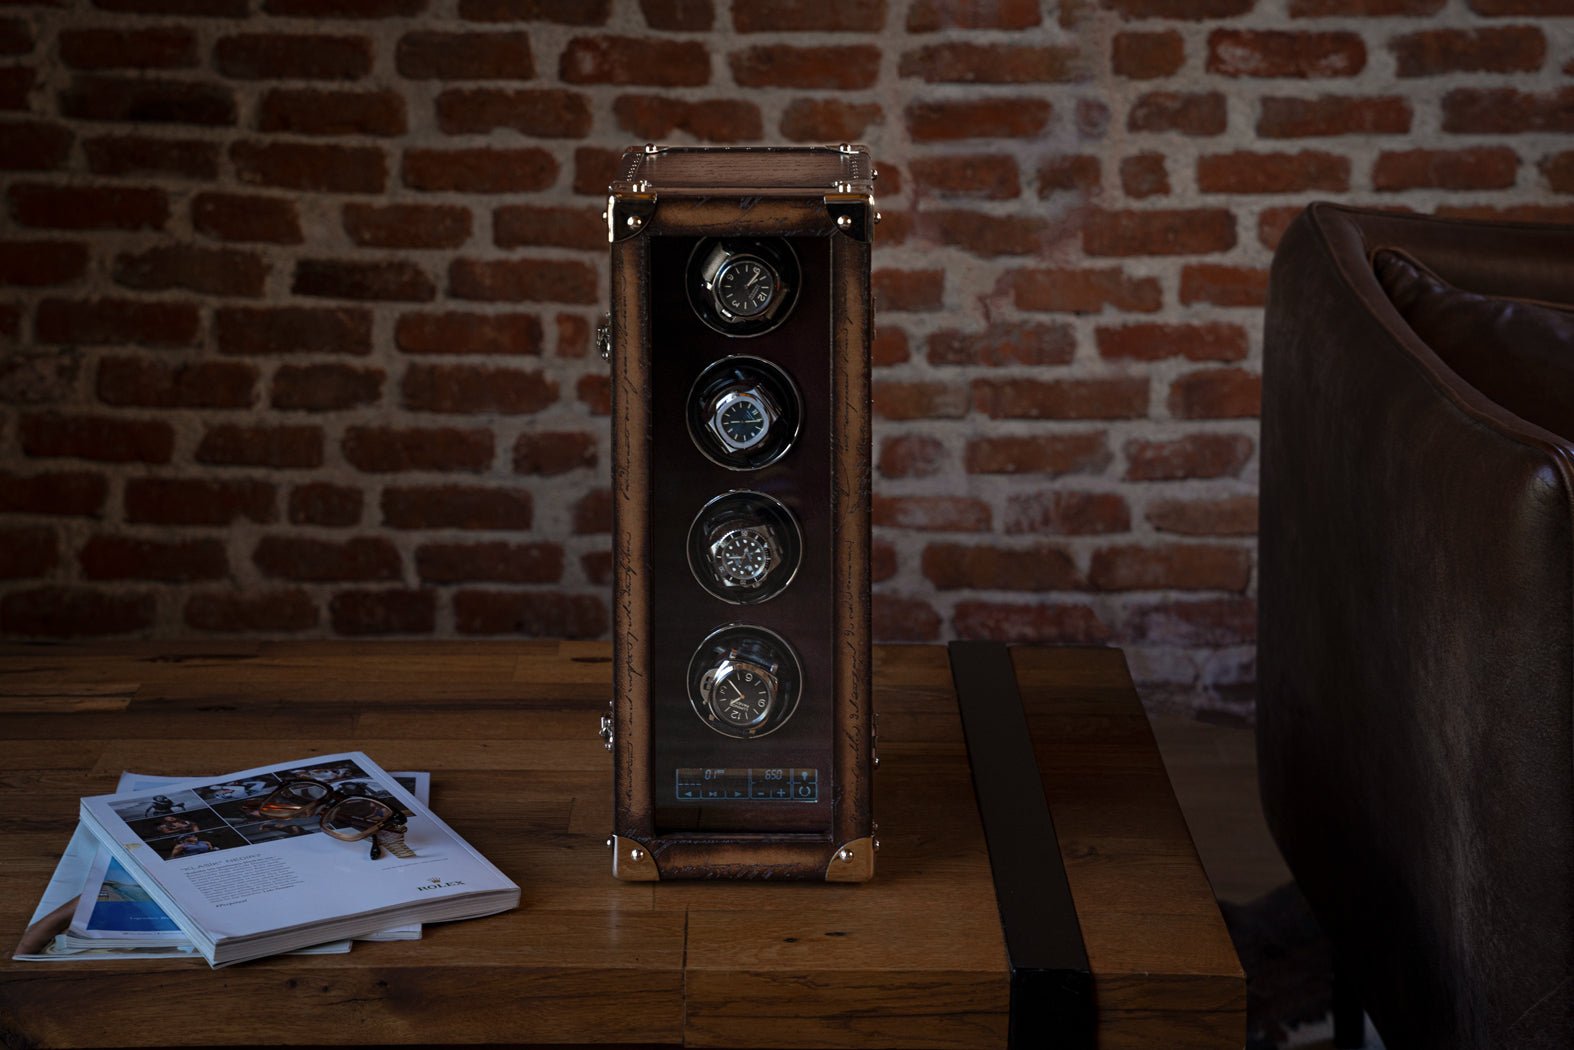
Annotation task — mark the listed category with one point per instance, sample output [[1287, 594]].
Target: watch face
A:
[[742, 557], [741, 421], [740, 694], [745, 286]]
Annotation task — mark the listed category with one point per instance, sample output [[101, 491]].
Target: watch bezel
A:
[[791, 550]]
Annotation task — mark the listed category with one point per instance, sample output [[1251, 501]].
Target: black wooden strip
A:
[[1051, 984]]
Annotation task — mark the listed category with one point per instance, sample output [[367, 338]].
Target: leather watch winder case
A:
[[741, 729]]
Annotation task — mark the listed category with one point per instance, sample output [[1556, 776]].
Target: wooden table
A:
[[914, 958]]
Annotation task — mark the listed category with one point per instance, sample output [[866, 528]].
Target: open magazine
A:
[[243, 875]]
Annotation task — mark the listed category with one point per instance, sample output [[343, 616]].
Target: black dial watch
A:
[[744, 681], [743, 286], [744, 547], [740, 693], [741, 416]]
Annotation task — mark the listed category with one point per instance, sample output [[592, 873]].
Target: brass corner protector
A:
[[852, 214], [632, 862], [854, 862], [628, 214]]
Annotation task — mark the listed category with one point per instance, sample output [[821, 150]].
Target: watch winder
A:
[[738, 335]]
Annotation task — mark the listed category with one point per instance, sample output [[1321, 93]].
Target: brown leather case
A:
[[665, 204]]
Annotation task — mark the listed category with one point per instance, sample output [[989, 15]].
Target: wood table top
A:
[[914, 958]]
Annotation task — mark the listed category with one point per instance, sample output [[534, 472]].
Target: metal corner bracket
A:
[[854, 862], [628, 214], [632, 862], [852, 214]]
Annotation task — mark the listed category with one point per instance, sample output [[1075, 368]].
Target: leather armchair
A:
[[1416, 596]]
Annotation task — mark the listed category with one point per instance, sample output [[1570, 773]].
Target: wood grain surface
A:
[[912, 959]]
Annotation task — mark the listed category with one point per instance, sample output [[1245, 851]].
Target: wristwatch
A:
[[744, 555], [741, 416], [740, 694]]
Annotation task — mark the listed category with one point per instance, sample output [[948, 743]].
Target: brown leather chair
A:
[[1416, 644]]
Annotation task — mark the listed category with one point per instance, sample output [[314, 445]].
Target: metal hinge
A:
[[607, 729]]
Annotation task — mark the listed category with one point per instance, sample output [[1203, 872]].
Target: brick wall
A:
[[299, 293]]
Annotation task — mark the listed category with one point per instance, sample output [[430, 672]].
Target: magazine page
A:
[[231, 870]]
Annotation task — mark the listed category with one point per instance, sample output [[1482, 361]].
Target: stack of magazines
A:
[[300, 856]]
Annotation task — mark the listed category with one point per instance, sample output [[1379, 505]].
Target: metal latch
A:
[[607, 728], [604, 337]]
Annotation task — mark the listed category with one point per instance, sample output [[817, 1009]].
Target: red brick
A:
[[1492, 111], [966, 63], [146, 383], [829, 120], [1247, 172], [160, 48], [147, 100], [1191, 10], [532, 614], [1147, 56], [292, 330], [1177, 567], [89, 207], [1189, 113], [959, 566], [461, 333], [1285, 53], [198, 501], [1532, 8], [1558, 170], [1221, 516], [207, 271], [190, 8], [919, 400], [1058, 290], [550, 453], [987, 235], [634, 60], [16, 88], [1159, 232], [381, 450], [174, 561], [573, 335], [457, 507], [407, 225], [903, 290], [1491, 49], [1293, 118], [325, 388], [911, 456], [1217, 393], [929, 16], [882, 561], [238, 217], [136, 155], [312, 111], [679, 15], [1036, 622], [307, 560], [74, 612], [261, 612], [1191, 456], [898, 619], [782, 65], [563, 12], [1207, 622], [480, 170], [985, 176], [977, 119], [116, 322], [1143, 175], [489, 562], [293, 56], [38, 263], [1085, 452], [931, 513], [529, 225], [714, 120], [464, 56], [522, 280], [1115, 398], [392, 281], [1363, 8], [813, 16], [383, 612], [65, 493], [596, 392], [321, 503], [1004, 344], [469, 389], [345, 8], [16, 37], [311, 167], [593, 513], [34, 376], [593, 170], [536, 113], [889, 347], [1481, 168], [1223, 285], [280, 447], [34, 145], [27, 553], [1067, 513], [1153, 342]]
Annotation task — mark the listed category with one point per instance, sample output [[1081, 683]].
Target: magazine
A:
[[289, 855]]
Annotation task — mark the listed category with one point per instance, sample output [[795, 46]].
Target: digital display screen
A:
[[758, 785]]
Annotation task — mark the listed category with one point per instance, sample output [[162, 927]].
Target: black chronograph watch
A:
[[743, 286]]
